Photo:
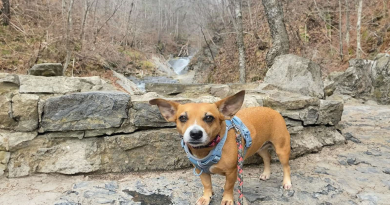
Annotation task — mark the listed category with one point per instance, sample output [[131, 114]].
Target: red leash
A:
[[240, 164]]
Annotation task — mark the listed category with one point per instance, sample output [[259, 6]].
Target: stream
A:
[[178, 64]]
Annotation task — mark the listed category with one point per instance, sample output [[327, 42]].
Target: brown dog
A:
[[201, 123]]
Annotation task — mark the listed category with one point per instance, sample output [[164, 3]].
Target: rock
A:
[[68, 134], [6, 120], [8, 83], [330, 112], [145, 150], [296, 74], [380, 76], [178, 90], [370, 197], [85, 111], [329, 83], [312, 139], [144, 115], [356, 80], [25, 112], [386, 171], [349, 136], [127, 84], [4, 158], [11, 141], [221, 91], [61, 85], [289, 101], [46, 69]]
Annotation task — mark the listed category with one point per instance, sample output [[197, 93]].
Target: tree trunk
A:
[[240, 39], [340, 32], [358, 36], [6, 12], [68, 37], [87, 6], [280, 41], [348, 27]]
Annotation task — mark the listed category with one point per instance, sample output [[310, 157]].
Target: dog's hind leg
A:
[[283, 153], [263, 152]]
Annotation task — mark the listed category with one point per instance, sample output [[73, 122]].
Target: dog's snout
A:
[[196, 134]]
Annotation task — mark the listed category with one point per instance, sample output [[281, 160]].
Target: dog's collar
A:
[[213, 143]]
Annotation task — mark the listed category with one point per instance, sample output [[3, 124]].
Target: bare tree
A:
[[340, 32], [87, 6], [68, 28], [348, 26], [358, 28], [240, 39], [6, 12], [280, 41]]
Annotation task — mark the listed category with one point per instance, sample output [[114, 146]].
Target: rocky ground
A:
[[354, 173]]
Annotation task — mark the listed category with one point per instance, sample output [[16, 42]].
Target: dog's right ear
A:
[[167, 108]]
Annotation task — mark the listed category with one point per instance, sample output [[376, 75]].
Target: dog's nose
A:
[[196, 134]]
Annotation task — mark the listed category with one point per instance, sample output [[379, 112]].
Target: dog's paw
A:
[[265, 176], [227, 201], [287, 186], [204, 200]]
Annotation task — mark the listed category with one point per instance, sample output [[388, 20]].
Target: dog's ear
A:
[[167, 108], [231, 105]]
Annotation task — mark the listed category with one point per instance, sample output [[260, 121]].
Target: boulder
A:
[[4, 158], [10, 141], [355, 81], [25, 112], [380, 76], [145, 150], [312, 139], [330, 112], [46, 69], [61, 85], [127, 84], [8, 83], [85, 111], [221, 91], [6, 119], [296, 74]]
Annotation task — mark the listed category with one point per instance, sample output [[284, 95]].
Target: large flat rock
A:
[[46, 69], [145, 150], [85, 111], [61, 85]]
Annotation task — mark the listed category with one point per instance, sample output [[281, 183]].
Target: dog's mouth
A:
[[195, 144]]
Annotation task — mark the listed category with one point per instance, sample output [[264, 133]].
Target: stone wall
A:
[[84, 125]]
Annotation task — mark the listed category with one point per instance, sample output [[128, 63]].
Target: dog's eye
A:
[[208, 118], [183, 118]]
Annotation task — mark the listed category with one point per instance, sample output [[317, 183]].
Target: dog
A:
[[202, 125]]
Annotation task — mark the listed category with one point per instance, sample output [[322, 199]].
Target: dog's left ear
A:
[[231, 105], [167, 108]]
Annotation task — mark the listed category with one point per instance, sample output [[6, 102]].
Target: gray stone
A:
[[386, 171], [127, 84], [46, 69], [4, 158], [68, 134], [380, 76], [8, 83], [61, 85], [348, 136], [182, 90], [25, 112], [370, 197], [330, 112], [85, 111], [356, 80], [312, 139], [145, 115], [296, 74], [6, 119], [11, 141], [289, 101], [221, 91]]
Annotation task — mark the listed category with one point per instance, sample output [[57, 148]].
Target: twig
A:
[[208, 45]]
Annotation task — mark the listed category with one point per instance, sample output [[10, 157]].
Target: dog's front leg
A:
[[231, 178], [207, 189]]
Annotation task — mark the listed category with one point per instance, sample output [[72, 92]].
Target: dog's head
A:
[[199, 123]]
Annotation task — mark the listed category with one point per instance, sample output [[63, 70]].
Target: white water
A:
[[179, 65]]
